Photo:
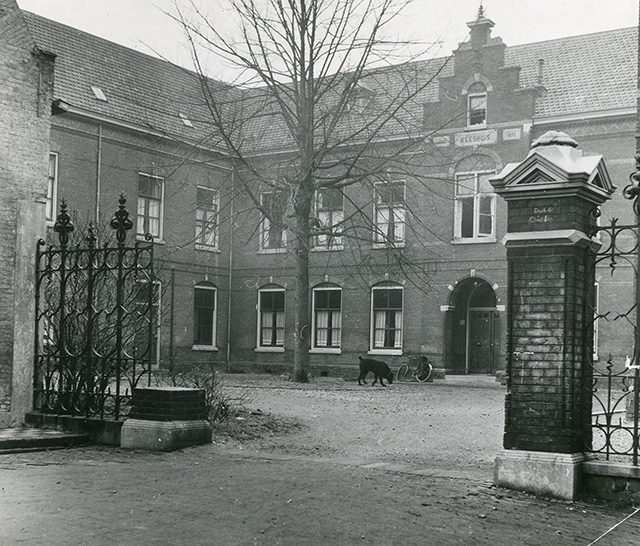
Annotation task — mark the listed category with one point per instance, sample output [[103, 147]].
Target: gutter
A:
[[62, 107]]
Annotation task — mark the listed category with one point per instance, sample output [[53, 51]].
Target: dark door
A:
[[482, 344]]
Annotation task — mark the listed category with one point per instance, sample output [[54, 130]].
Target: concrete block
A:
[[164, 435], [542, 473]]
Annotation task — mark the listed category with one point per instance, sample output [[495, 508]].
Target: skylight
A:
[[98, 93], [186, 120]]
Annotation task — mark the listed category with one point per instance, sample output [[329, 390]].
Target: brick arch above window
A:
[[477, 78]]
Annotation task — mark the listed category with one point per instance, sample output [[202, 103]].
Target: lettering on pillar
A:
[[542, 215]]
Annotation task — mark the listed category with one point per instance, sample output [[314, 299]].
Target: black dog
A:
[[380, 371]]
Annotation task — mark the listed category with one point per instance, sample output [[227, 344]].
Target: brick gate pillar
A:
[[551, 197]]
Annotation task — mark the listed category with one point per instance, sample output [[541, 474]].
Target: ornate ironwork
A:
[[95, 320], [632, 191], [614, 386], [121, 220], [63, 226]]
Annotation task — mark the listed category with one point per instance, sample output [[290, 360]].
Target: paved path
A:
[[312, 487], [209, 495]]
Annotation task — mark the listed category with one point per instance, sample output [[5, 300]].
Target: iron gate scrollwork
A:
[[615, 382], [96, 319]]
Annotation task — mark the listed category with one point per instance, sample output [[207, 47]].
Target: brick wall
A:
[[24, 145]]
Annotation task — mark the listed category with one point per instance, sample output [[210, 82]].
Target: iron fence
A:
[[95, 321], [614, 381]]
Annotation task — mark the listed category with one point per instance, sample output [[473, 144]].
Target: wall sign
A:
[[440, 141], [512, 134], [477, 138]]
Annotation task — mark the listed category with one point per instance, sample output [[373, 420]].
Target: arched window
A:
[[204, 315], [271, 318], [327, 317], [477, 105], [475, 205], [386, 317]]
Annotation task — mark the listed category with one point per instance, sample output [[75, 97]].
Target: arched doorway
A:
[[472, 329]]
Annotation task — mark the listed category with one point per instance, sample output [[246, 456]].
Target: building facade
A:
[[126, 122]]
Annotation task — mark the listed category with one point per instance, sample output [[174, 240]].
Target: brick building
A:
[[124, 121], [26, 71]]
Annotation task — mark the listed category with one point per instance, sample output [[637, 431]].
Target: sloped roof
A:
[[582, 74], [140, 89], [588, 73]]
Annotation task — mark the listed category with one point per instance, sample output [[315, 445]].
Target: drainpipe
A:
[[171, 320], [230, 277], [476, 285], [98, 173]]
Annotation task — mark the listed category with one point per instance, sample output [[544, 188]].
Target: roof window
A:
[[98, 93], [186, 120]]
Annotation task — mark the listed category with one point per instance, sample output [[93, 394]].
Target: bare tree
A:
[[338, 105]]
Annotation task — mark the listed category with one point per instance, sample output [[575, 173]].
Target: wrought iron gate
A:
[[95, 319], [615, 382]]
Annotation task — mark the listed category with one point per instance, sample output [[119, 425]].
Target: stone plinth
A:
[[552, 474], [166, 419]]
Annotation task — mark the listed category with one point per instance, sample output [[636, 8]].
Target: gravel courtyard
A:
[[452, 426]]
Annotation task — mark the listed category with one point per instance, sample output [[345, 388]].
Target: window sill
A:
[[478, 127], [388, 352], [208, 348], [486, 240], [325, 249], [325, 351], [269, 349], [387, 246], [271, 250], [205, 248]]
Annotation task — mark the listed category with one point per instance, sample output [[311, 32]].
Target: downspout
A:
[[98, 172], [171, 320], [230, 265], [468, 327]]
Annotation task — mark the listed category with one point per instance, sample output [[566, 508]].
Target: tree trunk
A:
[[301, 368]]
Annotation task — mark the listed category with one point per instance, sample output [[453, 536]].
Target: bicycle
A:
[[420, 367]]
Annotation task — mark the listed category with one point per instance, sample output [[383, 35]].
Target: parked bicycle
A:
[[420, 368]]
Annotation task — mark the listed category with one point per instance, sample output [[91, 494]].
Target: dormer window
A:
[[477, 105]]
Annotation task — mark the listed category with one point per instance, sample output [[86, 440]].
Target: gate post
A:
[[552, 196]]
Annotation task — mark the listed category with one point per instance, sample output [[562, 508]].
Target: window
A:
[[386, 317], [329, 209], [147, 324], [204, 315], [271, 319], [150, 194], [389, 213], [362, 98], [475, 206], [477, 105], [327, 317], [52, 188], [273, 234], [206, 219]]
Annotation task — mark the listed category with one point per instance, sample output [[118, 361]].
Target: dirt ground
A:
[[329, 463], [455, 428]]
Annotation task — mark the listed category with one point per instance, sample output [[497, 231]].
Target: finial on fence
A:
[[91, 235], [121, 220], [63, 225], [632, 191]]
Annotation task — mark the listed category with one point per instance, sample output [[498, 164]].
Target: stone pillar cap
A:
[[557, 138]]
